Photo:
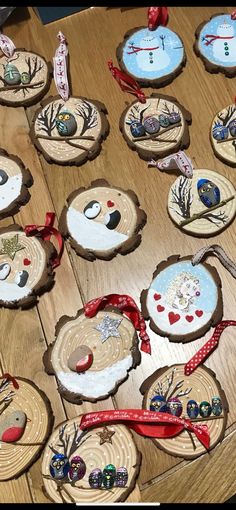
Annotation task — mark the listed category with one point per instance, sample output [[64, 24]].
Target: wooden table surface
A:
[[93, 36]]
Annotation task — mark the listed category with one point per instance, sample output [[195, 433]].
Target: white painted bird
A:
[[5, 270]]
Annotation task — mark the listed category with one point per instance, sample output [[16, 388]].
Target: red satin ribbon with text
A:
[[207, 348], [129, 85], [157, 16], [45, 232], [10, 378], [128, 307], [147, 423]]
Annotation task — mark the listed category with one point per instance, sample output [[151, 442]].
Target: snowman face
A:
[[225, 30], [10, 182]]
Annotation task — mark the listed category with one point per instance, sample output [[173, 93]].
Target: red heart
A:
[[157, 297], [189, 318], [160, 308], [26, 262], [199, 313], [173, 317], [110, 203]]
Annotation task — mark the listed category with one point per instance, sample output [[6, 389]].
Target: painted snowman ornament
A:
[[224, 46], [151, 56]]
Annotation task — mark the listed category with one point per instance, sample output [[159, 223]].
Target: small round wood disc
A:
[[170, 136], [203, 386], [114, 346], [22, 69], [15, 180], [102, 220], [69, 132], [120, 451], [223, 135], [16, 458], [200, 196], [25, 269], [183, 301]]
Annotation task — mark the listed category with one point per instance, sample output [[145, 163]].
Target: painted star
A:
[[108, 327], [105, 435], [11, 246]]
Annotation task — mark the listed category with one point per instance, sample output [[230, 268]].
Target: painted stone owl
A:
[[208, 192], [95, 478], [109, 476], [217, 407], [59, 466], [121, 477], [158, 403], [192, 409], [205, 409], [11, 74], [77, 468], [66, 124], [174, 406]]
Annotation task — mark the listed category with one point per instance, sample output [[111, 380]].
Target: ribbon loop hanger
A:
[[45, 232], [6, 45], [60, 67], [157, 16]]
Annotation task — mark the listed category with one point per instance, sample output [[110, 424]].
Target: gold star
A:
[[11, 246], [105, 435]]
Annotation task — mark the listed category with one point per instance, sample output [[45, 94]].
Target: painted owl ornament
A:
[[77, 468], [95, 478], [121, 478], [208, 192], [109, 476], [66, 124], [59, 466]]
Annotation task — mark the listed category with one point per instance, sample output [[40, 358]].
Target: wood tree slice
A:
[[225, 148], [15, 458], [204, 386], [121, 452]]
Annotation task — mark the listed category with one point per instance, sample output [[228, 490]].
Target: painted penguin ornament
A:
[[59, 466], [216, 405], [66, 124], [95, 478], [121, 477], [208, 192], [174, 406], [77, 468], [158, 403], [205, 409], [192, 409], [109, 476]]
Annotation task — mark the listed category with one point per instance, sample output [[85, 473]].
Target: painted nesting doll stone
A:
[[102, 220], [26, 420], [168, 120], [15, 180], [223, 135], [183, 301], [24, 78], [25, 268], [200, 386], [113, 463], [152, 57], [104, 349], [216, 44], [204, 205], [69, 132]]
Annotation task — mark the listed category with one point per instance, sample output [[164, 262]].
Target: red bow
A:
[[148, 423], [10, 378], [128, 307], [157, 16], [132, 86], [207, 348], [46, 233], [233, 15]]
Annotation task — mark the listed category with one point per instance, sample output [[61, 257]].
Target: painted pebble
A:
[[77, 468], [164, 120], [151, 125], [158, 403], [192, 409], [80, 359], [137, 129], [217, 407], [59, 466], [205, 409], [121, 477], [109, 476], [95, 478], [174, 406]]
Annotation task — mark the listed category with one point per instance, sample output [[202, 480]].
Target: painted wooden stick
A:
[[202, 213], [22, 86], [65, 138]]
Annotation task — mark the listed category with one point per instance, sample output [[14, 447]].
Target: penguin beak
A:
[[28, 419]]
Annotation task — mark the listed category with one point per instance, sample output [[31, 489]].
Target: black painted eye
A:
[[3, 177], [92, 210]]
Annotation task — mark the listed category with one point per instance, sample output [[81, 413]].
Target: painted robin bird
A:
[[12, 426]]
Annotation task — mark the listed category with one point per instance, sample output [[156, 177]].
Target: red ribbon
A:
[[214, 37], [233, 15], [148, 423], [129, 85], [10, 378], [207, 349], [157, 16], [45, 233], [128, 307]]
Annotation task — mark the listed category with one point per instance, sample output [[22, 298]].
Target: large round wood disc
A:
[[15, 180], [223, 134], [121, 452], [204, 386]]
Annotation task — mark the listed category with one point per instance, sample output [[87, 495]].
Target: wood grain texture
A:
[[93, 36]]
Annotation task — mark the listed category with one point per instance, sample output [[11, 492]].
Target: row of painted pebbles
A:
[[174, 406], [152, 124], [221, 132]]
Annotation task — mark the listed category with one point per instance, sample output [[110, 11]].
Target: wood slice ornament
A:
[[156, 128], [198, 397], [216, 44], [68, 130], [183, 300], [204, 205], [102, 220], [25, 76], [95, 466], [26, 420], [15, 179], [223, 135]]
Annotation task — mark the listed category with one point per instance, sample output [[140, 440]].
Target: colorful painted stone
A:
[[11, 75], [232, 127], [66, 124], [174, 117], [25, 78], [216, 405], [220, 132], [164, 120], [208, 192], [151, 125], [205, 409], [80, 359], [192, 409], [109, 476], [59, 466], [77, 468], [174, 406], [12, 426], [95, 478], [121, 477], [158, 404], [137, 129]]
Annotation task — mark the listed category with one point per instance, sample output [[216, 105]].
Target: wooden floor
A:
[[93, 36]]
